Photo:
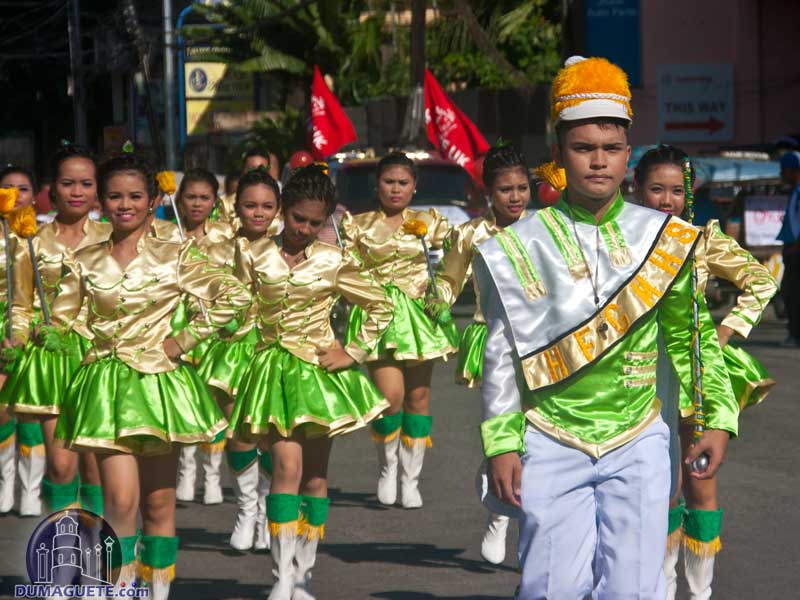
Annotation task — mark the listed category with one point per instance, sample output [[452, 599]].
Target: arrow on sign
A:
[[712, 125]]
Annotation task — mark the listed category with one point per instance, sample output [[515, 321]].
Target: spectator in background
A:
[[790, 236], [261, 157]]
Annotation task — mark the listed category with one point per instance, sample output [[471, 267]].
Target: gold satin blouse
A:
[[21, 285], [130, 309], [719, 255], [216, 232], [294, 304], [165, 231], [395, 257], [50, 254], [455, 267]]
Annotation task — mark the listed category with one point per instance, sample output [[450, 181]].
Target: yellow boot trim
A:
[[410, 442], [384, 439], [8, 441], [213, 448], [702, 549], [149, 574], [37, 450], [284, 529], [675, 539], [310, 532]]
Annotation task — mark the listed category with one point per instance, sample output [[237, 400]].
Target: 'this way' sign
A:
[[695, 103]]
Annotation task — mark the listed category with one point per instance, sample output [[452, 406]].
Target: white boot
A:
[[670, 569], [387, 460], [493, 546], [283, 549], [8, 471], [262, 523], [305, 557], [245, 486], [187, 473], [212, 463], [159, 590], [31, 471], [699, 574], [411, 460]]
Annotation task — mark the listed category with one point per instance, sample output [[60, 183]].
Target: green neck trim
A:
[[584, 216]]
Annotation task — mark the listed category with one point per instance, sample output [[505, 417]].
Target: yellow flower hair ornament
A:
[[8, 198], [23, 222], [166, 181], [555, 176], [415, 227]]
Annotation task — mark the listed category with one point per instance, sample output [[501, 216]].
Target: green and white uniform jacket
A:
[[584, 376]]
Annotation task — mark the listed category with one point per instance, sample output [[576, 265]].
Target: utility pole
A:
[[415, 111], [169, 84], [76, 68]]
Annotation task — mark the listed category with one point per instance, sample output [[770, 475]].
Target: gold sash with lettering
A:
[[640, 294]]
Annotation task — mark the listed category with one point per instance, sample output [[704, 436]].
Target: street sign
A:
[[695, 103], [613, 31], [214, 87]]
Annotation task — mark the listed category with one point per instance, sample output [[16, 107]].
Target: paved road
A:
[[433, 553]]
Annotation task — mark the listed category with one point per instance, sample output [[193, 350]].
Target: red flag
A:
[[453, 134], [328, 128]]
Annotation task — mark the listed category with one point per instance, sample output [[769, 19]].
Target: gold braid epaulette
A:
[[641, 293]]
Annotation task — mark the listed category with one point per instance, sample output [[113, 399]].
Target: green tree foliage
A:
[[489, 43]]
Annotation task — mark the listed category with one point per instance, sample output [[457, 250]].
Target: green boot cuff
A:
[[239, 461], [388, 424], [159, 552], [417, 426], [265, 462], [58, 496], [283, 508], [128, 549], [92, 498], [7, 430], [676, 517], [30, 434], [315, 510], [702, 525]]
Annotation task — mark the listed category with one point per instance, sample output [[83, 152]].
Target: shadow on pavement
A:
[[202, 540], [424, 596], [353, 499], [215, 589], [412, 555]]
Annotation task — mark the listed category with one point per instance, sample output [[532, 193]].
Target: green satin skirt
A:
[[470, 355], [749, 379], [40, 382], [225, 362], [111, 406], [196, 354], [282, 391], [410, 336]]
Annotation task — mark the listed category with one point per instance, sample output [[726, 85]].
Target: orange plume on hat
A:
[[589, 88]]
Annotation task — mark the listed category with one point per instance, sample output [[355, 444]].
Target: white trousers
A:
[[594, 527]]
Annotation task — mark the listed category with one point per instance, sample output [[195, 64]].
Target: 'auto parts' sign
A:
[[695, 103]]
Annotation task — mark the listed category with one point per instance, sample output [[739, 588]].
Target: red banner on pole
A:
[[449, 130], [328, 127]]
